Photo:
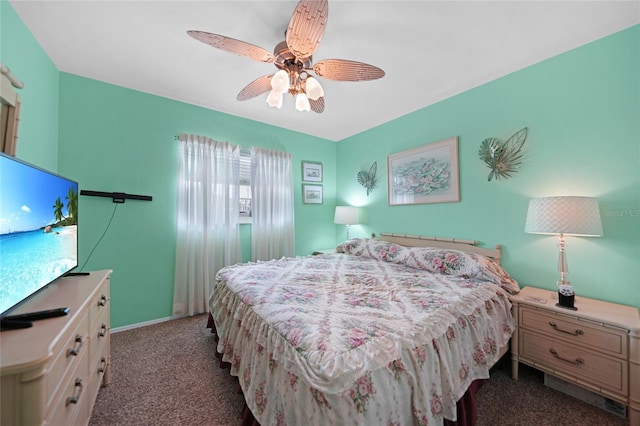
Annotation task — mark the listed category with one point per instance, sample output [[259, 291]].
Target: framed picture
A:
[[311, 193], [311, 171], [427, 174]]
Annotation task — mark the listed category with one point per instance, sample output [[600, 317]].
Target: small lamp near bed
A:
[[567, 215], [346, 215]]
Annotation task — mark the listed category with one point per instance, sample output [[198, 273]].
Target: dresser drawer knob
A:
[[102, 301], [103, 365], [75, 351], [103, 331], [577, 332], [74, 399], [577, 361]]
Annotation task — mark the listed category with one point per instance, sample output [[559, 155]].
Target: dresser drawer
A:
[[591, 335], [599, 371], [67, 357], [99, 334], [99, 304], [97, 372], [72, 396]]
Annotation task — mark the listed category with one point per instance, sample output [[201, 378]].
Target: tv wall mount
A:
[[117, 197]]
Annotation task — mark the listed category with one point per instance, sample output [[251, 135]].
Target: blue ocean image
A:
[[38, 229], [31, 260]]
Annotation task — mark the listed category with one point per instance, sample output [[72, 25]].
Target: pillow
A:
[[461, 264], [443, 261], [374, 249]]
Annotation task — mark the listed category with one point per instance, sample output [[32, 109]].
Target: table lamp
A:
[[562, 216], [346, 215]]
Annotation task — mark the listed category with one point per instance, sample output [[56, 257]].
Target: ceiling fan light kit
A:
[[302, 102], [275, 99], [293, 58]]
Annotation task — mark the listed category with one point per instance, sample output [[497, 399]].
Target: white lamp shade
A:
[[313, 89], [302, 102], [275, 99], [564, 215], [346, 215], [280, 81]]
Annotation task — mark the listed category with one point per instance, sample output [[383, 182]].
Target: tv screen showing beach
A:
[[38, 229]]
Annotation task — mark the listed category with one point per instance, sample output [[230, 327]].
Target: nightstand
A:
[[596, 347]]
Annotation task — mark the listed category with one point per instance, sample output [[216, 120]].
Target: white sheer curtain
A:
[[208, 234], [272, 230]]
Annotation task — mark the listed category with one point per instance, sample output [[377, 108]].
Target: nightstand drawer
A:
[[590, 368], [588, 334]]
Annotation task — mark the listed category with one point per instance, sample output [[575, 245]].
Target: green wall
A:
[[583, 113], [118, 140], [582, 109]]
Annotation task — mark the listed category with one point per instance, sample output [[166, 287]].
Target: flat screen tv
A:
[[38, 230]]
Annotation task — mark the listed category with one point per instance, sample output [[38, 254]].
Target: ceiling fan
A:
[[293, 58]]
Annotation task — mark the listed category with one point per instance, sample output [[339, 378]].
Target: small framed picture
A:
[[311, 171], [311, 194]]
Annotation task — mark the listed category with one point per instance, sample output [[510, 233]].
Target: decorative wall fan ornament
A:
[[503, 158], [293, 59], [368, 179]]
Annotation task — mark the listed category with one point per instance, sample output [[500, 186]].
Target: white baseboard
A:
[[146, 323]]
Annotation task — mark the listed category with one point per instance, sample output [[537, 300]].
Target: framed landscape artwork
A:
[[311, 171], [311, 194], [426, 174]]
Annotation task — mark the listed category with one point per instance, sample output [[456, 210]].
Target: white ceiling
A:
[[430, 50]]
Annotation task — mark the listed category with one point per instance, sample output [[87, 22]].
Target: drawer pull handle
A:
[[103, 365], [578, 332], [75, 351], [103, 331], [102, 301], [577, 361], [74, 399]]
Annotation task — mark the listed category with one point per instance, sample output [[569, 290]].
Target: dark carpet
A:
[[167, 374]]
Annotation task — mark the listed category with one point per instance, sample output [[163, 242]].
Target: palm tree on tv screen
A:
[[72, 205], [57, 210]]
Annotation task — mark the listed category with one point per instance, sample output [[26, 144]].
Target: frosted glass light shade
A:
[[313, 89], [280, 81], [275, 99], [346, 215], [302, 102], [564, 215]]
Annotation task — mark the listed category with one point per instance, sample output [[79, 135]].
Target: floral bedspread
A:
[[361, 338]]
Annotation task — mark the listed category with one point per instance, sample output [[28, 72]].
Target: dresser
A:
[[51, 372], [596, 346]]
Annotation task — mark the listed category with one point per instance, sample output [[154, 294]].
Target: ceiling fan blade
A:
[[232, 45], [306, 27], [256, 88], [317, 105], [344, 70]]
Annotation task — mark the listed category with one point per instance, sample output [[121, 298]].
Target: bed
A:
[[394, 330]]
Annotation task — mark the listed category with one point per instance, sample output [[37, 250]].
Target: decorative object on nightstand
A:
[[503, 158], [346, 215], [562, 216], [368, 179]]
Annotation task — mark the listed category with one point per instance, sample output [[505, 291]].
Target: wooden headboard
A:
[[469, 246]]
